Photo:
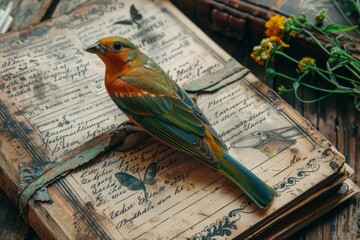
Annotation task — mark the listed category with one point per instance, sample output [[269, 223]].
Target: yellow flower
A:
[[266, 47], [264, 51], [280, 26], [304, 62], [278, 41], [275, 26], [320, 16], [256, 55]]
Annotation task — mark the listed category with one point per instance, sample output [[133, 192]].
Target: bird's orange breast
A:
[[125, 89]]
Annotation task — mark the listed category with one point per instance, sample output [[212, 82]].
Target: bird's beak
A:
[[95, 48]]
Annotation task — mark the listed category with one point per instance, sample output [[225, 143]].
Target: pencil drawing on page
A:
[[269, 142]]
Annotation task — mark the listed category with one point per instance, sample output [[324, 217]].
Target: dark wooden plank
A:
[[65, 6], [347, 139], [11, 225]]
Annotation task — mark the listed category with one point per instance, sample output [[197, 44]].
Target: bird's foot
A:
[[127, 136]]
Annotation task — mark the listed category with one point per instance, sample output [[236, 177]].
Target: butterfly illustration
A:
[[134, 184], [135, 16]]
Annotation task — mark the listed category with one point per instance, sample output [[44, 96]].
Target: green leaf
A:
[[331, 28]]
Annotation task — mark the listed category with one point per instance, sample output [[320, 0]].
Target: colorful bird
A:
[[157, 105]]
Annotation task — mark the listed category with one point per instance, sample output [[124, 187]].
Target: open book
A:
[[55, 112]]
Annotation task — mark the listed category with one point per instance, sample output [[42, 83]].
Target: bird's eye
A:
[[117, 46]]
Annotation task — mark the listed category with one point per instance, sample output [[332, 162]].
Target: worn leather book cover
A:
[[64, 155]]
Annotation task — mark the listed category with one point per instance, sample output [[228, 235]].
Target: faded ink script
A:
[[56, 91], [56, 88]]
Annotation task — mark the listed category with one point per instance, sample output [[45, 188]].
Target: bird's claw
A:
[[127, 136]]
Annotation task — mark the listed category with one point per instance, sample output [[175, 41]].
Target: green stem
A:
[[350, 57], [316, 41], [286, 90], [355, 65], [320, 31], [353, 72], [315, 68], [311, 86], [328, 79], [312, 100], [336, 84]]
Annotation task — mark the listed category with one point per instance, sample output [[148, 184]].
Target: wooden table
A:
[[336, 118]]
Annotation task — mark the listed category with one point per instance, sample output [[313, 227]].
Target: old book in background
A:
[[245, 19], [55, 112]]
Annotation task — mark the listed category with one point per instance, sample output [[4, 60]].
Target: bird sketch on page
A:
[[269, 142]]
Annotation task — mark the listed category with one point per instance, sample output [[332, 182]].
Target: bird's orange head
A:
[[114, 51]]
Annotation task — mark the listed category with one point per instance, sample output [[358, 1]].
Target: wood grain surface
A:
[[336, 118]]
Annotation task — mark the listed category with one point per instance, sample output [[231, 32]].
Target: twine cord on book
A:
[[123, 139], [87, 152], [232, 72]]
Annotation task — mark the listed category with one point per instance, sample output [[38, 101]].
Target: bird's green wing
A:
[[170, 120], [154, 80], [190, 103]]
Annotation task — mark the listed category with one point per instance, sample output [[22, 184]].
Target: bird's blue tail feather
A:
[[253, 186]]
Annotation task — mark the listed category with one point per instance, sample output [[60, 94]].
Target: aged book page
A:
[[53, 102]]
